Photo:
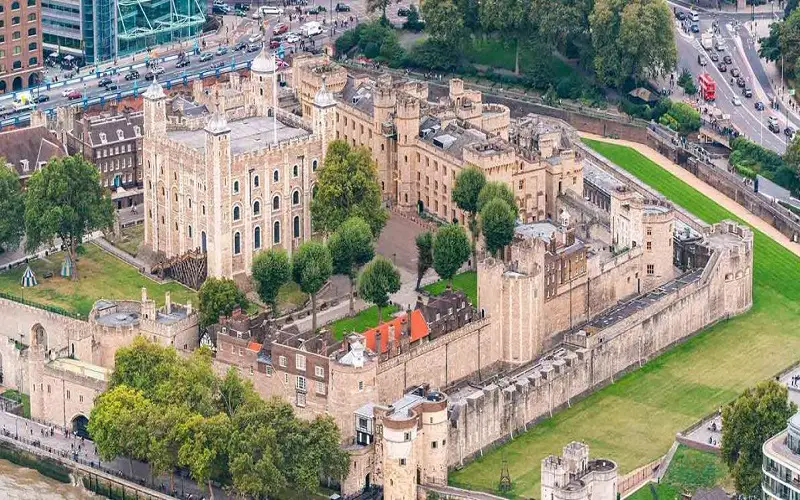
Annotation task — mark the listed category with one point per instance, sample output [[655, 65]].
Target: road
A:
[[740, 47]]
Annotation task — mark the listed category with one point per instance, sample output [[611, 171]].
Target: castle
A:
[[599, 278]]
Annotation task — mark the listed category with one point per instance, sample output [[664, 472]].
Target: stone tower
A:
[[353, 384], [400, 457], [155, 124], [434, 443], [407, 125], [323, 115], [384, 105], [263, 80], [218, 163]]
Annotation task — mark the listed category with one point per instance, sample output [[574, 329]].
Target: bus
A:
[[708, 87]]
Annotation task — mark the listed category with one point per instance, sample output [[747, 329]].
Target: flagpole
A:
[[274, 99]]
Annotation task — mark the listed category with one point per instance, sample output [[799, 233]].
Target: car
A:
[[41, 98], [256, 15], [772, 124], [715, 57], [103, 81], [292, 38], [132, 75], [255, 38], [740, 82], [183, 63], [158, 70], [403, 11], [788, 132], [342, 7], [280, 29], [67, 91], [240, 46], [218, 64], [720, 46], [274, 44], [701, 60], [271, 10], [680, 15], [747, 92], [736, 101], [149, 76], [759, 106], [316, 9], [206, 56], [735, 72], [221, 9], [112, 86], [74, 94], [727, 59], [222, 50], [695, 28], [695, 17], [722, 67], [253, 47]]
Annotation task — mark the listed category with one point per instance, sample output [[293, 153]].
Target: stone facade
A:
[[572, 476]]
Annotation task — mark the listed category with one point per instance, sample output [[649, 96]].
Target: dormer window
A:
[[120, 134], [24, 164], [136, 130], [103, 137]]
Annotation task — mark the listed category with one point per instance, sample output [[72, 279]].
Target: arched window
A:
[[31, 31], [276, 232], [237, 212], [276, 202], [314, 191], [175, 193], [235, 186], [296, 198], [295, 171], [203, 241], [15, 20], [296, 226], [255, 181], [314, 164], [237, 243], [190, 231], [203, 208], [275, 175], [163, 191], [257, 238], [189, 200], [256, 207]]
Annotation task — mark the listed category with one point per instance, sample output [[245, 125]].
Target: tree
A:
[[412, 21], [444, 22], [747, 422], [271, 270], [167, 435], [379, 5], [203, 452], [497, 224], [311, 268], [377, 281], [770, 45], [632, 39], [789, 42], [347, 186], [496, 189], [511, 20], [233, 392], [351, 247], [65, 200], [143, 366], [686, 81], [450, 250], [219, 297], [12, 208], [254, 459], [681, 118], [424, 255], [466, 190]]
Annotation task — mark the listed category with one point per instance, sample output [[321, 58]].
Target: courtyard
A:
[[102, 276], [634, 420]]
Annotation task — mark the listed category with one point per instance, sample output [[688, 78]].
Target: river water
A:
[[19, 483]]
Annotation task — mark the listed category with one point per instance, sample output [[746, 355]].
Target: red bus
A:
[[708, 88]]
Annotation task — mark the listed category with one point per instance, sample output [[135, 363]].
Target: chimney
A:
[[378, 342], [390, 348], [167, 303], [407, 324], [420, 302]]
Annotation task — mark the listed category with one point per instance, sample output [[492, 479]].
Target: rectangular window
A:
[[301, 399], [407, 436], [320, 388], [282, 361], [649, 231], [360, 386], [67, 394], [285, 378], [362, 423], [434, 445], [251, 370], [649, 245], [80, 399], [651, 269], [269, 371], [402, 461], [301, 383], [300, 362], [319, 372]]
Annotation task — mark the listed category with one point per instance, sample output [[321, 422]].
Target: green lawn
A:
[[635, 420], [690, 469], [494, 53], [102, 276], [291, 297], [368, 318], [20, 397], [467, 282], [130, 239]]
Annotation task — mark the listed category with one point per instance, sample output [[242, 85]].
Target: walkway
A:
[[124, 256], [707, 190]]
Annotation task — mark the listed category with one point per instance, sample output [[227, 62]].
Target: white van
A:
[[255, 38], [270, 10], [311, 29]]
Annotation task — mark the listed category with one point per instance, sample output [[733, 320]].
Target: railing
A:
[[39, 305]]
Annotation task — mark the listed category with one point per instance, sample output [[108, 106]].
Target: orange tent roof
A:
[[419, 329], [254, 346]]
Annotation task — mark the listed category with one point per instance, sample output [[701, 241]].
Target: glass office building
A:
[[147, 23], [781, 465]]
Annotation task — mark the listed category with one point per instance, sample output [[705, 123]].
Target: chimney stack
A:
[[378, 342]]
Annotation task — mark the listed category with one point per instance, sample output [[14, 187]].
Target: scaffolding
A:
[[142, 24]]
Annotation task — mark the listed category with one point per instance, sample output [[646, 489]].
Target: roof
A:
[[453, 138], [248, 134], [254, 346], [114, 128], [643, 94], [263, 63], [359, 97], [34, 144], [419, 329]]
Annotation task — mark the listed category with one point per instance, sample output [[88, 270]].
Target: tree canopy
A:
[[497, 224], [311, 268], [450, 250], [219, 429], [219, 297], [347, 186], [377, 281], [65, 200], [424, 244], [12, 208], [496, 189], [351, 247], [747, 422], [271, 270], [466, 192]]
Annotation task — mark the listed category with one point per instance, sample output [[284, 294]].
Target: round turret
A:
[[263, 63], [435, 431]]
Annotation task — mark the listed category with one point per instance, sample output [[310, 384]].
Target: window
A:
[[301, 383], [17, 65], [285, 378], [320, 388], [360, 385], [301, 399], [300, 362], [203, 208], [296, 227], [255, 181], [282, 361], [257, 238], [402, 461], [80, 399], [649, 245], [190, 231], [319, 372], [251, 369], [67, 394], [31, 16], [237, 213], [434, 445], [16, 35], [276, 232], [235, 187], [15, 20], [295, 171], [406, 436], [296, 198], [237, 243], [649, 231], [275, 175], [269, 371], [276, 202], [17, 50], [651, 269], [31, 3], [31, 31], [314, 164]]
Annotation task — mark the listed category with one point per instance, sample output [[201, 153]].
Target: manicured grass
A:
[[290, 296], [130, 239], [102, 276], [467, 282], [368, 318], [634, 421], [20, 397], [494, 53], [690, 469]]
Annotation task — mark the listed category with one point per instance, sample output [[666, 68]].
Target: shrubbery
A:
[[749, 159]]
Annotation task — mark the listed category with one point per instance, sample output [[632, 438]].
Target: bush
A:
[[435, 55], [412, 21], [569, 87], [372, 50], [347, 41], [748, 156]]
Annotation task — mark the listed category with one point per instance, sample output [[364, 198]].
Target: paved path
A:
[[123, 256], [707, 190]]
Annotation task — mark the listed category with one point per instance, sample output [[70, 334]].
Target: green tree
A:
[[444, 22], [377, 281], [466, 191], [219, 297], [790, 43], [496, 189], [681, 118], [233, 392], [324, 450], [379, 5], [311, 268], [770, 45], [203, 452], [166, 429], [632, 39], [450, 250], [747, 422], [271, 270], [424, 243], [351, 247], [347, 186], [64, 200], [12, 208], [497, 224], [686, 82], [509, 19], [143, 366], [254, 459]]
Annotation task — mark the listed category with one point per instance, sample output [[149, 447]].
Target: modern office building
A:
[[20, 44], [100, 30], [781, 466]]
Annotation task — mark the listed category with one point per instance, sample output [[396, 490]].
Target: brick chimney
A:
[[378, 342]]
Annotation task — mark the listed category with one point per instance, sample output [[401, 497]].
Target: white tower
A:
[[155, 125], [322, 114], [263, 78]]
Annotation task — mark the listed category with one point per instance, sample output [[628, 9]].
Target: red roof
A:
[[254, 346], [419, 329]]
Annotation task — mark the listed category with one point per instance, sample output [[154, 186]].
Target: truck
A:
[[311, 29], [708, 87], [707, 41]]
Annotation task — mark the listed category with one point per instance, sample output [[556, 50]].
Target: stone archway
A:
[[78, 425], [39, 336], [17, 84]]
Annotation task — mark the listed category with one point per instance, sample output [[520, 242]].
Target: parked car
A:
[[293, 38], [735, 72], [132, 75], [681, 15], [222, 50], [240, 46], [403, 11], [74, 94], [695, 17], [316, 9], [747, 92], [342, 7], [727, 59], [253, 47], [103, 81], [206, 56], [722, 67], [759, 106], [280, 29], [695, 28], [41, 98], [788, 132], [714, 57]]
